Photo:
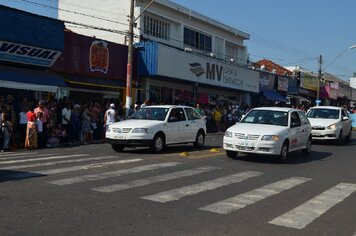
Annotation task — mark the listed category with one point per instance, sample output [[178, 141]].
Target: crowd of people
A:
[[35, 124]]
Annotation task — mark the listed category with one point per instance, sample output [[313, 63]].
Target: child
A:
[[53, 141]]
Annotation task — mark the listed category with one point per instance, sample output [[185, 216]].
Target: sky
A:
[[288, 32]]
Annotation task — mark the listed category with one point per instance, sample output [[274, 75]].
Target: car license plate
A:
[[316, 134], [246, 144], [119, 137]]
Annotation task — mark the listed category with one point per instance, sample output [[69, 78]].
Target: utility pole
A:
[[319, 79], [129, 60]]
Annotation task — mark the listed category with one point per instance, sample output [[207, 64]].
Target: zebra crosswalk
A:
[[35, 164]]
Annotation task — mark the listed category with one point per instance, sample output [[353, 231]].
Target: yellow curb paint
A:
[[184, 154], [209, 155], [214, 150]]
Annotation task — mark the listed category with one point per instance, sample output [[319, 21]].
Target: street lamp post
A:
[[322, 69]]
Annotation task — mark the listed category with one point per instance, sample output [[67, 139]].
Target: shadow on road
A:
[[169, 150], [11, 175], [294, 158]]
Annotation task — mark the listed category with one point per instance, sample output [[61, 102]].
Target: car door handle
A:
[[187, 125]]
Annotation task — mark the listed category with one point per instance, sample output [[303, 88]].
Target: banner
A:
[[282, 84], [353, 118], [310, 83]]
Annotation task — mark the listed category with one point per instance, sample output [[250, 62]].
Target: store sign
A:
[[282, 84], [266, 81], [21, 53], [203, 70], [310, 83], [99, 56]]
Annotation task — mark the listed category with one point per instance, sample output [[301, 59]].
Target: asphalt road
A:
[[91, 190]]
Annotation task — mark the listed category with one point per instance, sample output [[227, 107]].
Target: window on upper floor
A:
[[232, 51], [197, 40], [156, 27]]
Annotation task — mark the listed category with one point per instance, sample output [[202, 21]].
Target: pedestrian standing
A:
[[45, 118], [66, 123], [23, 125], [6, 128], [110, 116], [40, 134], [31, 132]]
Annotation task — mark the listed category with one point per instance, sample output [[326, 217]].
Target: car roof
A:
[[327, 107], [285, 109], [167, 106]]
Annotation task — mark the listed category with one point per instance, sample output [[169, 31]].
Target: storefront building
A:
[[92, 68], [29, 46], [270, 86], [169, 75]]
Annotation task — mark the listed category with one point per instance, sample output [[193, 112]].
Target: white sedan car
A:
[[270, 131], [330, 123], [158, 126]]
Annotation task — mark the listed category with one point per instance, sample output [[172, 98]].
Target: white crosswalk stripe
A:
[[154, 179], [16, 154], [2, 159], [111, 174], [44, 158], [71, 168], [57, 162], [178, 193], [245, 199], [306, 213]]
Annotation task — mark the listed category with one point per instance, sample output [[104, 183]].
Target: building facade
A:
[[192, 57]]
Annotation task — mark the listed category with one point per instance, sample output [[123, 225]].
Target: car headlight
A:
[[228, 134], [108, 129], [140, 130], [333, 126], [274, 138], [116, 130]]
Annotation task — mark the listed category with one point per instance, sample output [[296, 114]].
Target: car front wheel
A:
[[308, 147], [117, 148], [283, 156], [199, 140], [158, 143], [348, 137], [231, 154]]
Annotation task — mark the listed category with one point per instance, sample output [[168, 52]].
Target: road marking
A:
[[14, 154], [245, 199], [117, 173], [44, 158], [306, 213], [72, 168], [57, 162], [154, 179], [178, 193], [21, 157], [207, 155]]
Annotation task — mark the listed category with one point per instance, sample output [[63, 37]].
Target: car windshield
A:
[[323, 113], [150, 113], [268, 117]]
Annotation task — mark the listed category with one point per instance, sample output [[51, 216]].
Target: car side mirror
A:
[[345, 118]]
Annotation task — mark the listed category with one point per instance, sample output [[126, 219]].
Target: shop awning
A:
[[274, 96], [95, 82], [28, 79]]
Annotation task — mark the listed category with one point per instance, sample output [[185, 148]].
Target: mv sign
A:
[[26, 54], [217, 74]]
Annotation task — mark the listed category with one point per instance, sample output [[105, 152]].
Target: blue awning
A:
[[28, 79], [274, 96]]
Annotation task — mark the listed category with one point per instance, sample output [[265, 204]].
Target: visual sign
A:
[[26, 54]]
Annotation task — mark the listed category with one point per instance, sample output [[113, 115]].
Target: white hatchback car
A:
[[158, 126], [330, 123], [269, 131]]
